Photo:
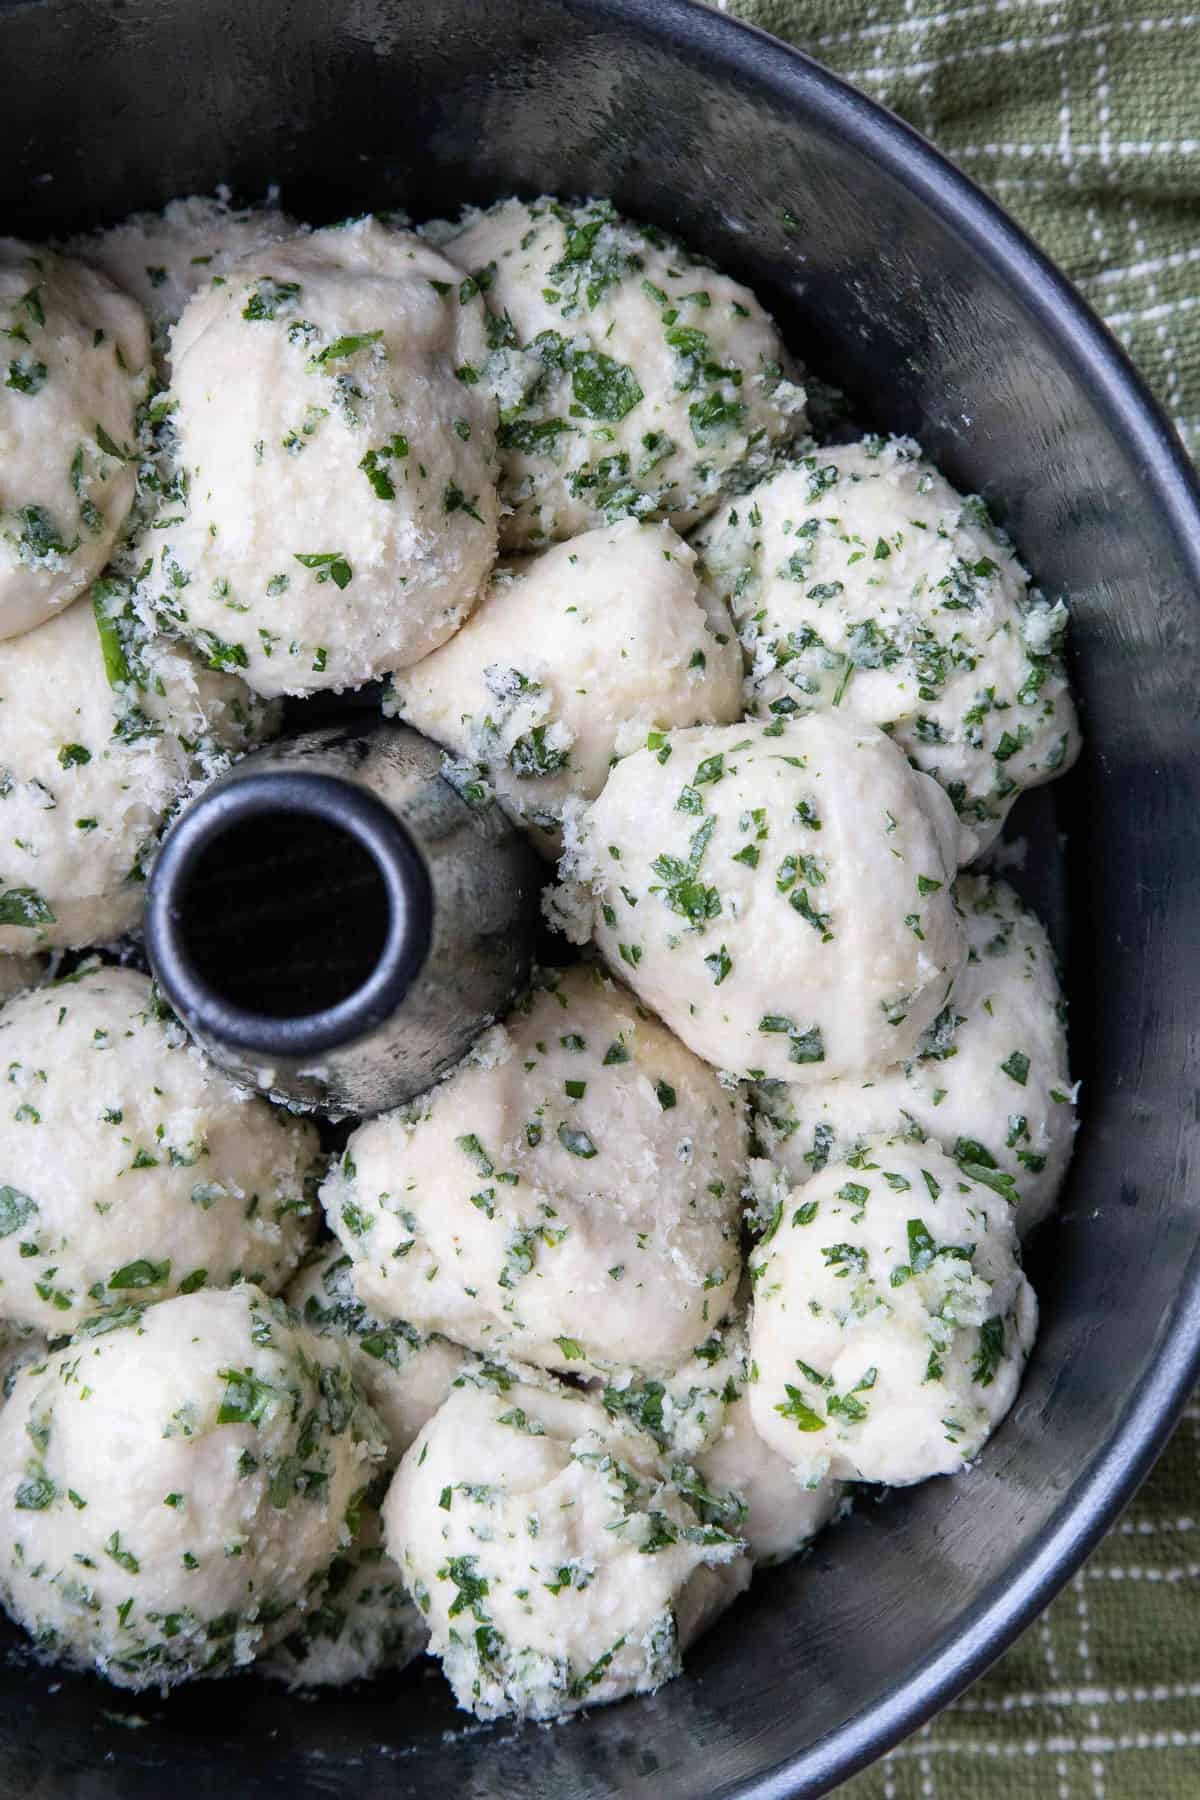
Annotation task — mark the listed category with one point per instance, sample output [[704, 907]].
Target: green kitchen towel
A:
[[1082, 117]]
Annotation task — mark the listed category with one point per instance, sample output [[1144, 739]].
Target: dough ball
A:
[[570, 1195], [989, 1081], [631, 378], [757, 1494], [891, 1320], [780, 894], [365, 1624], [75, 367], [174, 1483], [102, 731], [557, 1563], [163, 258], [132, 1167], [404, 1373], [342, 509], [614, 640], [860, 579]]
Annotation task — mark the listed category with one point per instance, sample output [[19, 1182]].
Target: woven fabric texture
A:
[[1083, 119]]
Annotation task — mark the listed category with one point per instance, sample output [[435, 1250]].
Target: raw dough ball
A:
[[75, 367], [570, 1195], [989, 1081], [90, 770], [779, 894], [132, 1168], [859, 578], [891, 1320], [630, 378], [771, 1510], [555, 1560], [404, 1374], [365, 1624], [173, 1484], [342, 510], [162, 259], [571, 659]]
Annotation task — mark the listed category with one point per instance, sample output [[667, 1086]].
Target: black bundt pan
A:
[[895, 278]]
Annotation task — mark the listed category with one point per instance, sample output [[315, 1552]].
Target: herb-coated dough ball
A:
[[860, 579], [74, 367], [757, 1494], [891, 1319], [174, 1484], [557, 1563], [162, 259], [97, 744], [571, 659], [631, 378], [132, 1168], [405, 1373], [341, 511], [780, 895], [989, 1081], [570, 1195], [365, 1624]]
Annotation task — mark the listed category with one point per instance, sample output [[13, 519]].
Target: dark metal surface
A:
[[903, 285], [335, 924]]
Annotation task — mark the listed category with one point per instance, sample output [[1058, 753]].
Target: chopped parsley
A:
[[340, 349], [330, 564], [577, 1142], [718, 965], [374, 465], [602, 388], [25, 376], [454, 501], [797, 1409], [990, 1352], [271, 297]]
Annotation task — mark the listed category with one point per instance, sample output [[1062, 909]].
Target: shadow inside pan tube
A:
[[284, 914]]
